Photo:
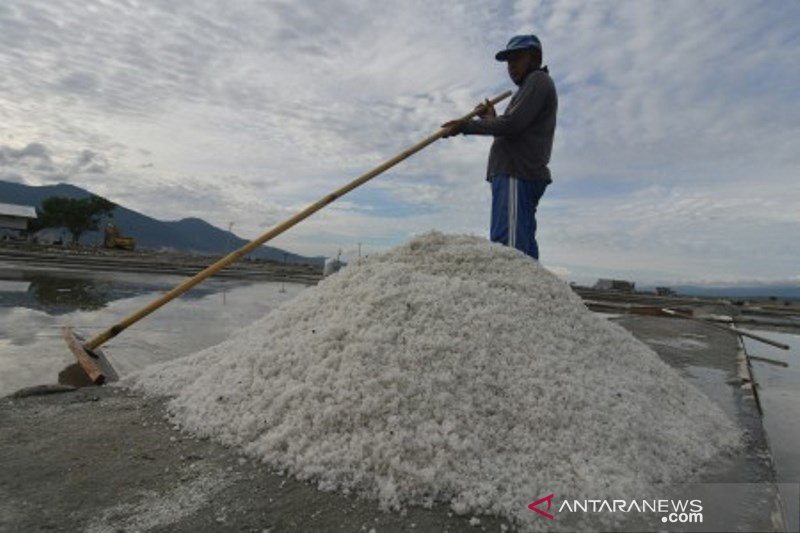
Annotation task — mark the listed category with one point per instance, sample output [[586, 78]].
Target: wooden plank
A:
[[768, 361], [96, 366], [647, 310], [753, 336], [635, 309]]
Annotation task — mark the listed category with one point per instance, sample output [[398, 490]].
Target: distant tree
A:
[[78, 215]]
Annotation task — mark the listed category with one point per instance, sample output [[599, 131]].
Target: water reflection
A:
[[36, 304], [61, 295], [57, 292], [779, 393]]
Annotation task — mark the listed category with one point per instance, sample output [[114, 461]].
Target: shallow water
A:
[[779, 393], [36, 302]]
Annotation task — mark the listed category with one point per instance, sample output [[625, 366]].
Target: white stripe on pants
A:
[[513, 184]]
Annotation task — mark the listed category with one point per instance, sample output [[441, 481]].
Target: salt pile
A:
[[448, 369]]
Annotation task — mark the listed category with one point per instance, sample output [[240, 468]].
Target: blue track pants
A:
[[514, 203]]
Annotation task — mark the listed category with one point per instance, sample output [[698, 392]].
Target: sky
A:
[[677, 150]]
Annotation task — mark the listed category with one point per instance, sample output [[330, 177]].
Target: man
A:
[[523, 140]]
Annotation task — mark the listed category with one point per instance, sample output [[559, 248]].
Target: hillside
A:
[[191, 235]]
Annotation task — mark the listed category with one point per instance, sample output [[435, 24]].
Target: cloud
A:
[[676, 148], [89, 162], [37, 164], [33, 151], [19, 164], [80, 83]]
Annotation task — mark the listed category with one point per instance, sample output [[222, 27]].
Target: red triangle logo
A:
[[549, 500]]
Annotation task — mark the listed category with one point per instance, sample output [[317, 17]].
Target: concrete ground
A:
[[104, 459]]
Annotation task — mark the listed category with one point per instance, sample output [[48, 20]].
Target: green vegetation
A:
[[78, 215]]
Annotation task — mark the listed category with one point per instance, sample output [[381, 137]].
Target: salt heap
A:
[[448, 369]]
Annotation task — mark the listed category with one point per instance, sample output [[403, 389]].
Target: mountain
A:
[[780, 290], [783, 291], [192, 235]]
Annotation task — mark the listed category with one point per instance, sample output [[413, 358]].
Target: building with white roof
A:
[[16, 217]]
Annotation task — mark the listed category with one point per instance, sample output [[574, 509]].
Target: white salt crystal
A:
[[448, 368]]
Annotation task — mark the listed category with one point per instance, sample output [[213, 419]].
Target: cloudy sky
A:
[[677, 153]]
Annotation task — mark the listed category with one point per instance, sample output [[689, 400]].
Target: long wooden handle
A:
[[121, 326]]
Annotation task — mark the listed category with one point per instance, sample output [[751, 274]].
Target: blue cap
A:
[[519, 42]]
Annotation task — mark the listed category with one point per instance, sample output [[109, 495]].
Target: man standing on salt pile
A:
[[523, 140]]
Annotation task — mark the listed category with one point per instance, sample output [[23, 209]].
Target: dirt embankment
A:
[[156, 262]]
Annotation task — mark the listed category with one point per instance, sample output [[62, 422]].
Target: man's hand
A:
[[453, 127], [486, 110]]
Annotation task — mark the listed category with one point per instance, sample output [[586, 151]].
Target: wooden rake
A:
[[95, 363]]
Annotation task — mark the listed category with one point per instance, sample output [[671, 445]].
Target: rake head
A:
[[93, 362]]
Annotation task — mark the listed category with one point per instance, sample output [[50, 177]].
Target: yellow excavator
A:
[[116, 241]]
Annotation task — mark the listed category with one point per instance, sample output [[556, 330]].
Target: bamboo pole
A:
[[128, 321]]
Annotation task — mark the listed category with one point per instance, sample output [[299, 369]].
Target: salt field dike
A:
[[447, 384]]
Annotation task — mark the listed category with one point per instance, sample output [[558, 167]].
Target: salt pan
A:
[[448, 369]]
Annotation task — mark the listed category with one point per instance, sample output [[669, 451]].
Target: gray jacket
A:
[[523, 134]]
